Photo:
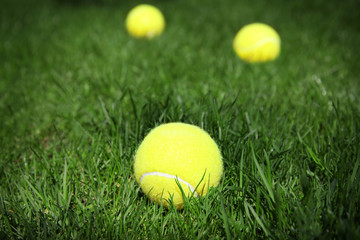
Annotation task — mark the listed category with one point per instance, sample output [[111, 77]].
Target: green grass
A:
[[78, 95]]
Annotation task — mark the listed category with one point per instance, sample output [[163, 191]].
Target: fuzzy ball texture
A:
[[257, 42], [177, 153], [145, 21]]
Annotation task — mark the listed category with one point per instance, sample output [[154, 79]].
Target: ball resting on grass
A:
[[257, 42], [177, 159], [145, 21]]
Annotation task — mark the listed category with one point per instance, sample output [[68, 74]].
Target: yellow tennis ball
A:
[[145, 21], [176, 154], [257, 42]]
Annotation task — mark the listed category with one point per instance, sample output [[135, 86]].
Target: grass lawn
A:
[[78, 95]]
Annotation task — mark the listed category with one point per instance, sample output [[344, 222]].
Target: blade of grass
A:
[[257, 218], [267, 184], [225, 217]]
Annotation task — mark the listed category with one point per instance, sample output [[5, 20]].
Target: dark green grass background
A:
[[77, 96]]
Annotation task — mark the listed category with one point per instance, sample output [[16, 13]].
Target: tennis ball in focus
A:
[[145, 21], [257, 42], [176, 154]]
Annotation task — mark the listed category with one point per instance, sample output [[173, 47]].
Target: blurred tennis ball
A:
[[145, 21], [175, 155], [257, 42]]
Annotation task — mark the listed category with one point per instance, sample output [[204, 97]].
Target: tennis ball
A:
[[257, 42], [176, 154], [145, 21]]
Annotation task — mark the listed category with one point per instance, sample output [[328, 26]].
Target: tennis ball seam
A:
[[259, 43], [161, 174]]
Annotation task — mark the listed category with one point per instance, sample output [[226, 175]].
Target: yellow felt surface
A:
[[257, 42], [181, 150], [145, 21], [161, 189]]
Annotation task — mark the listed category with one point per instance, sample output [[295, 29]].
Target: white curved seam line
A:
[[260, 43], [160, 174]]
